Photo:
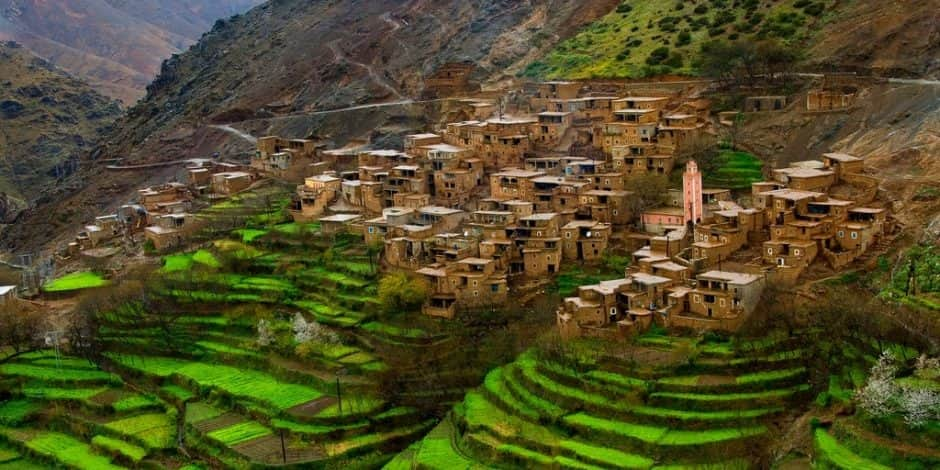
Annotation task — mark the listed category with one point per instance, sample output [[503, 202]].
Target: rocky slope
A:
[[116, 45], [46, 119], [292, 57]]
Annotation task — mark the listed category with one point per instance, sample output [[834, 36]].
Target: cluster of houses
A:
[[813, 210], [163, 214], [482, 203]]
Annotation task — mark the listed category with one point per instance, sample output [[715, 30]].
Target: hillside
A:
[[293, 57], [116, 45], [642, 38], [46, 118]]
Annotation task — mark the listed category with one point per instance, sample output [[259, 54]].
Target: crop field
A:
[[536, 412], [736, 170], [75, 281]]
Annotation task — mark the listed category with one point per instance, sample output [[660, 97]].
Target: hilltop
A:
[[642, 38], [47, 119]]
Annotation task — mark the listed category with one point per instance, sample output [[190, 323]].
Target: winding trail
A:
[[339, 56], [231, 130]]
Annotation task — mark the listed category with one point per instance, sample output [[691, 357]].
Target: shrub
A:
[[674, 60], [624, 8], [815, 9], [683, 38], [398, 292], [658, 56], [701, 9]]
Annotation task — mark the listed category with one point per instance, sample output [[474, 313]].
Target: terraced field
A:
[[66, 412], [605, 412]]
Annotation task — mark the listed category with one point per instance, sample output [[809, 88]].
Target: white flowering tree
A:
[[917, 401], [265, 335]]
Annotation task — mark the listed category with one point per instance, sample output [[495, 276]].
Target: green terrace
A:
[[588, 409]]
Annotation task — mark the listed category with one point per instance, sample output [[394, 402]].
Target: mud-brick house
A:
[[467, 283], [170, 231], [450, 79], [830, 100], [541, 95], [513, 183], [556, 194], [662, 219], [230, 182], [339, 223], [843, 164], [585, 110], [285, 158], [639, 159], [863, 227], [503, 141], [155, 196], [105, 229], [721, 300], [537, 245], [607, 206], [414, 142], [806, 179], [377, 229], [551, 127], [553, 166], [614, 309], [679, 130], [311, 199], [585, 240], [411, 200]]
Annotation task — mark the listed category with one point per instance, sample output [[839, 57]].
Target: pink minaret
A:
[[692, 192]]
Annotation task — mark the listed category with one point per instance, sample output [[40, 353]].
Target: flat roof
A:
[[322, 178], [4, 290], [407, 167], [804, 172], [867, 210], [729, 276], [475, 261], [421, 136], [540, 216], [518, 173], [644, 278], [793, 194], [445, 148], [511, 120], [679, 116], [665, 211], [607, 192], [832, 202], [670, 266], [842, 157], [634, 111], [582, 224], [642, 98], [433, 272], [553, 113], [340, 218], [438, 210]]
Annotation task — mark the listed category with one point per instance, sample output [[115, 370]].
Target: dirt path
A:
[[241, 134], [339, 56], [897, 446]]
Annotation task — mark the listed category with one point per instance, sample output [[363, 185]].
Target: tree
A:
[[649, 191], [398, 292], [21, 328]]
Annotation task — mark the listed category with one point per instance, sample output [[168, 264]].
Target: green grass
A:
[[70, 451], [241, 383], [76, 281], [724, 397], [611, 458], [239, 433], [648, 434], [769, 376], [619, 44], [437, 452], [134, 402], [132, 452], [52, 393], [736, 170], [154, 430], [831, 451], [178, 392], [197, 412], [53, 374], [249, 235]]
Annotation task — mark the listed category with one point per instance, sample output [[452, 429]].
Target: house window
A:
[[796, 252], [841, 234], [613, 311], [476, 293], [770, 251], [854, 235], [475, 283], [494, 287], [567, 234], [697, 299], [371, 229], [615, 212], [721, 302]]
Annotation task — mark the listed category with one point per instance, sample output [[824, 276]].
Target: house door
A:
[[709, 312], [551, 269]]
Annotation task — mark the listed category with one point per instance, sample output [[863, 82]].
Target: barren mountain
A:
[[116, 45], [46, 119]]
